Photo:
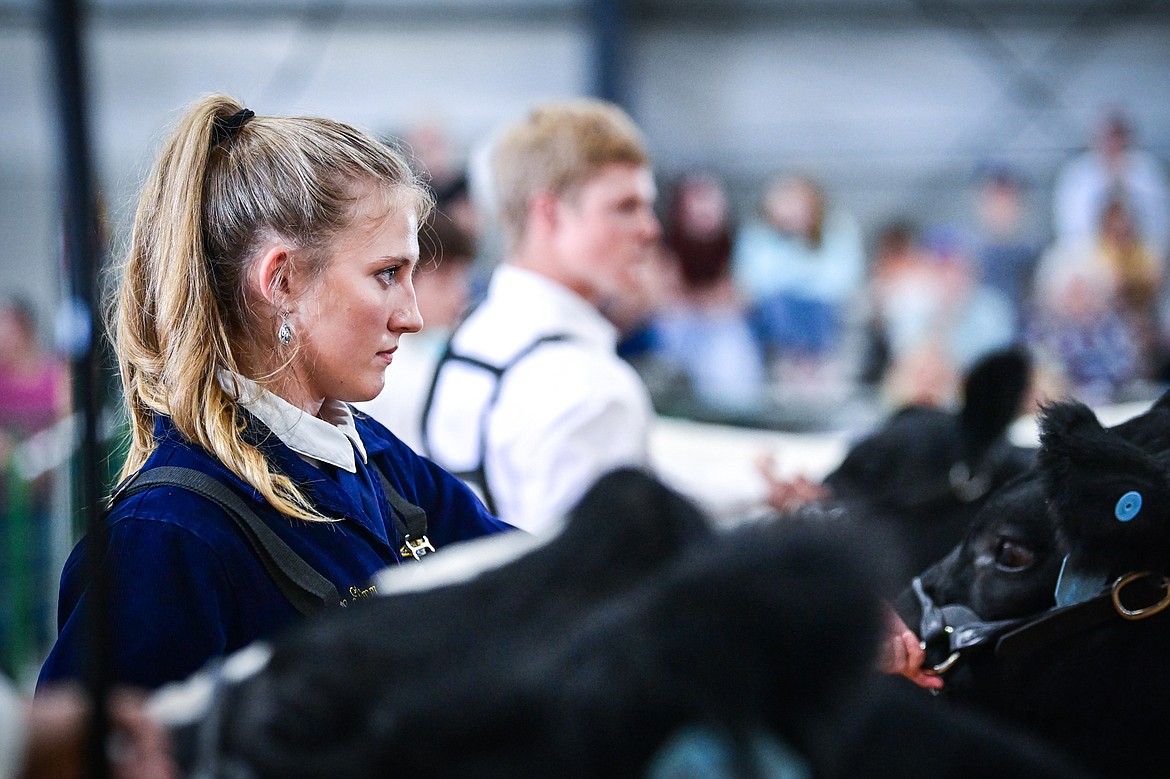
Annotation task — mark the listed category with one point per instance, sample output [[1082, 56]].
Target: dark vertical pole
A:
[[608, 28], [81, 244]]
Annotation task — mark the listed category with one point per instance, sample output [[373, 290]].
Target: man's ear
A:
[[269, 276], [544, 210]]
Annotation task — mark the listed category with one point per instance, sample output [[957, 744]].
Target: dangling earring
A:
[[285, 333]]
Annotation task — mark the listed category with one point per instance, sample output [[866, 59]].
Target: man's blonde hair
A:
[[556, 149], [181, 312]]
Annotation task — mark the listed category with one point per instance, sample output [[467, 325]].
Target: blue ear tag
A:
[[1128, 506]]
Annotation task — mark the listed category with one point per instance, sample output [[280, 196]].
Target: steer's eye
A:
[[1013, 556]]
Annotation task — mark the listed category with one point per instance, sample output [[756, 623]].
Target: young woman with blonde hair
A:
[[267, 282]]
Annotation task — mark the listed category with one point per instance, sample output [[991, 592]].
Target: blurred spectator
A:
[[442, 288], [34, 393], [700, 232], [1095, 308], [895, 251], [1006, 253], [1137, 273], [937, 318], [430, 146], [34, 389], [435, 156], [702, 329], [1083, 345], [800, 267], [453, 200], [1113, 166]]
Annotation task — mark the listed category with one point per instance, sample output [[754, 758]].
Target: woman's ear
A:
[[269, 277]]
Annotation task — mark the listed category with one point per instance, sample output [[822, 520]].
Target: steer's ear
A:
[[1150, 430], [1109, 497], [993, 396]]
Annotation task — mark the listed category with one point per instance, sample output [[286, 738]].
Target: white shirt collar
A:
[[332, 438]]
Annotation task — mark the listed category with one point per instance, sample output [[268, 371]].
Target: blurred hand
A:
[[140, 747], [787, 495], [57, 723], [901, 653]]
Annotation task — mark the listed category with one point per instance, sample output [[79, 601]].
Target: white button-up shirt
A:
[[566, 413]]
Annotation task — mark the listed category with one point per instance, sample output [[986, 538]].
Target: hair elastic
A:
[[224, 128]]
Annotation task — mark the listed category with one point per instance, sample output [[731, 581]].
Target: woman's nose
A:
[[407, 319]]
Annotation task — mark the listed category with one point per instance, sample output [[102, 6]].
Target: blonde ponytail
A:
[[181, 309]]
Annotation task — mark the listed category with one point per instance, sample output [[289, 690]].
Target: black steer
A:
[[638, 643], [1056, 653], [925, 471]]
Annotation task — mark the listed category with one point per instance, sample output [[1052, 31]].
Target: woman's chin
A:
[[367, 391]]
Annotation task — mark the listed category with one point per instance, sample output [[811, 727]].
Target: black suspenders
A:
[[306, 589], [477, 474]]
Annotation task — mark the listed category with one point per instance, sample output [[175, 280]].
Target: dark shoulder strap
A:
[[409, 519], [307, 590]]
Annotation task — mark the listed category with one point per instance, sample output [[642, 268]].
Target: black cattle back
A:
[[925, 472]]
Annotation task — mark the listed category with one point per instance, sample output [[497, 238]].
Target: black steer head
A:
[[1007, 566]]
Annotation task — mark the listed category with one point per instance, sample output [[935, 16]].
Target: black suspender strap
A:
[[410, 520], [307, 590], [477, 475]]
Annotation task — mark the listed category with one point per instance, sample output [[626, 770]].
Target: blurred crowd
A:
[[34, 394], [782, 314], [794, 304]]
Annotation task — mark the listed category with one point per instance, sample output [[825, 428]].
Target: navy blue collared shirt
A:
[[187, 587]]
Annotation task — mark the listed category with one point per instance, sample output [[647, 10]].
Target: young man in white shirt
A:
[[531, 403]]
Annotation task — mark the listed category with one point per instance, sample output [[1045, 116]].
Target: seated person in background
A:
[[1087, 345], [532, 404], [34, 384], [266, 285], [801, 267], [1113, 166], [705, 314], [34, 395], [937, 317], [1005, 251], [442, 287]]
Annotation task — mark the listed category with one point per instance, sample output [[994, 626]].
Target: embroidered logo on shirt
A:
[[355, 593]]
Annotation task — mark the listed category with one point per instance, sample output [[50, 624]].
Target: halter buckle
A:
[[1142, 613]]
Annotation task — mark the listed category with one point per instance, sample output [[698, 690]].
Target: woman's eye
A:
[[388, 274], [1013, 556]]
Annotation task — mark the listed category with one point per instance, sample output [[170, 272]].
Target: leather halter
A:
[[953, 628], [960, 629]]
